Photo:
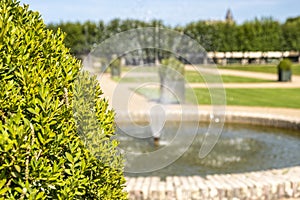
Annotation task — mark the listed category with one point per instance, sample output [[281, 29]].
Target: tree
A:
[[291, 30], [265, 34]]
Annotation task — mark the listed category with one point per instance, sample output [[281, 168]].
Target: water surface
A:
[[241, 148]]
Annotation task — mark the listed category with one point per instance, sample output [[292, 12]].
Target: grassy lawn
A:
[[261, 68], [195, 77], [252, 68], [136, 79], [288, 98], [285, 98], [139, 68], [191, 77]]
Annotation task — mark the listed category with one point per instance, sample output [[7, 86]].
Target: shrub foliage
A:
[[55, 132], [171, 69], [285, 64]]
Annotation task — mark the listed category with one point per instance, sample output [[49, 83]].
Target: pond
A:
[[240, 148]]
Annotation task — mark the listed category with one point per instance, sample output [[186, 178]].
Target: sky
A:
[[171, 12]]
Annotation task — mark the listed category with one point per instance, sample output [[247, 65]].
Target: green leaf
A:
[[68, 171], [18, 168], [31, 110], [69, 157], [2, 183], [4, 190], [41, 139], [18, 189], [40, 195]]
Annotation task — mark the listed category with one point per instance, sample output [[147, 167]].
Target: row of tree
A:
[[264, 34]]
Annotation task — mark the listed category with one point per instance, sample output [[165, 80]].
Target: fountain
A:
[[241, 148], [158, 118], [248, 162], [172, 81]]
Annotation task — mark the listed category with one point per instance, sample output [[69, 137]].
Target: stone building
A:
[[229, 16]]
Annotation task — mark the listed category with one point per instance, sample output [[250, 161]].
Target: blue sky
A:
[[172, 12]]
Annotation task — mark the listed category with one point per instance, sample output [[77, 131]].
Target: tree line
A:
[[265, 34]]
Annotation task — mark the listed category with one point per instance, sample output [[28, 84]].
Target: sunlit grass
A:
[[261, 68], [279, 97], [263, 97], [195, 77], [190, 77]]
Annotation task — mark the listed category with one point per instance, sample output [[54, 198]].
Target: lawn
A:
[[253, 68], [195, 77], [190, 77], [279, 97], [261, 68], [286, 98]]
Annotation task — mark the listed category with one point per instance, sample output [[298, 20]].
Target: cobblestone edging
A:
[[262, 185]]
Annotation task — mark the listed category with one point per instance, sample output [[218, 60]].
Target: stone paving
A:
[[262, 185], [271, 184]]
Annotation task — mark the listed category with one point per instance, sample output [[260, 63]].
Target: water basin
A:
[[241, 148]]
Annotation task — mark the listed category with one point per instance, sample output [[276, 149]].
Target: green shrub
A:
[[171, 69], [115, 67], [285, 64], [55, 131]]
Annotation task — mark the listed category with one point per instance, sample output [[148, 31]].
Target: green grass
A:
[[136, 79], [195, 77], [261, 68], [284, 98], [139, 68], [251, 68], [152, 93], [277, 97]]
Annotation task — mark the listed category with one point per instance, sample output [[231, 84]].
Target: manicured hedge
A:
[[55, 132]]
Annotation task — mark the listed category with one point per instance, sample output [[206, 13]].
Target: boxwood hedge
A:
[[55, 129]]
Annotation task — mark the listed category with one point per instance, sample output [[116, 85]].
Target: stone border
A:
[[269, 184], [269, 120]]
